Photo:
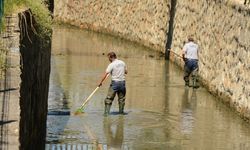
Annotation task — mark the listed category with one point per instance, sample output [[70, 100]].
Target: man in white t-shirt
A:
[[190, 57], [117, 69]]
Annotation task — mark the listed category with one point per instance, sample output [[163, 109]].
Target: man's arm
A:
[[184, 50], [126, 70], [108, 71], [183, 55], [103, 78], [198, 51]]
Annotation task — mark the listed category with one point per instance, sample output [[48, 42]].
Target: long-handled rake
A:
[[81, 109]]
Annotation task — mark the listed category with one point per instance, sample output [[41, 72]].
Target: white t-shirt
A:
[[117, 70], [190, 49]]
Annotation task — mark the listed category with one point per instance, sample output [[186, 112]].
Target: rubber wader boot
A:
[[195, 78], [107, 110], [195, 83], [121, 108]]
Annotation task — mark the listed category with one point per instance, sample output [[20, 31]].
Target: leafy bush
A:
[[39, 10]]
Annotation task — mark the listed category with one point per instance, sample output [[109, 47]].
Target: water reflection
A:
[[58, 97], [113, 130], [187, 114]]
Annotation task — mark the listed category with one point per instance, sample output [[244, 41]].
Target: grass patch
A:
[[39, 10]]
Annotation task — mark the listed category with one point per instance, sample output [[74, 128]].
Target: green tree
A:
[[1, 10]]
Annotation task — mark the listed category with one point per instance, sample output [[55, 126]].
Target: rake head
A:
[[79, 111]]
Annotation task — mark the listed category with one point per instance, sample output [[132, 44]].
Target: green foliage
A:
[[39, 10], [42, 16], [11, 5]]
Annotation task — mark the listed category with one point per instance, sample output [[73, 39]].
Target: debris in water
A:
[[58, 112]]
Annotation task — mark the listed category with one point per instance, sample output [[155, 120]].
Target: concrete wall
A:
[[143, 21], [9, 85], [223, 32], [221, 28]]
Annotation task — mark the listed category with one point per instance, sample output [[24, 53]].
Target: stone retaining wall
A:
[[143, 21], [222, 31], [9, 84]]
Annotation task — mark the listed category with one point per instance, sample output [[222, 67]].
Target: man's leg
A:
[[195, 78], [186, 74], [108, 101], [195, 69], [121, 99]]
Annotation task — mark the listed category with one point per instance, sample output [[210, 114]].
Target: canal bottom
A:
[[160, 112]]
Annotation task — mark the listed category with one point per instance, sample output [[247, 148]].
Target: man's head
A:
[[111, 56], [190, 39]]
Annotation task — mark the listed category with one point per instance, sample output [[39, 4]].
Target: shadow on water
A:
[[57, 94], [58, 100], [162, 113], [6, 122]]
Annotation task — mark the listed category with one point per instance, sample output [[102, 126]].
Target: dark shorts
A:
[[191, 64], [119, 86], [116, 88]]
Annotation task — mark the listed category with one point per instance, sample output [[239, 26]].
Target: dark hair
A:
[[190, 39], [112, 55]]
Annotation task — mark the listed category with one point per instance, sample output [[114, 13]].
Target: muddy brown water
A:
[[161, 112]]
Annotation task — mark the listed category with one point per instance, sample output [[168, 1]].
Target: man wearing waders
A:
[[190, 57], [117, 69]]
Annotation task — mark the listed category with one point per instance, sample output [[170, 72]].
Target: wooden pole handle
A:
[[88, 99]]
